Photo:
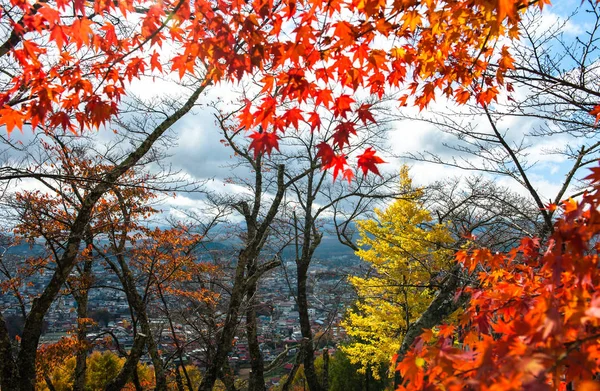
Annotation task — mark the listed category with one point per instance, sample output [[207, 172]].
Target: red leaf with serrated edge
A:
[[81, 31], [246, 117], [152, 20], [364, 113], [324, 97], [110, 35], [338, 163], [263, 142], [154, 63], [462, 96], [368, 161], [315, 121], [342, 133], [292, 117], [343, 106], [594, 176], [344, 31], [325, 153], [11, 118], [58, 36]]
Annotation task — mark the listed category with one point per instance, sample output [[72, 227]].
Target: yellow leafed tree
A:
[[407, 254]]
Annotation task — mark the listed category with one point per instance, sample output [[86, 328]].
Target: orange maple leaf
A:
[[343, 106], [344, 31]]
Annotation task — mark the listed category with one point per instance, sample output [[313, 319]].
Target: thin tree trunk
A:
[[311, 242], [136, 381], [49, 383], [129, 369], [82, 351], [290, 379], [175, 340], [257, 376], [135, 300], [81, 296], [307, 337], [311, 239], [225, 339], [325, 374], [227, 378], [257, 235], [178, 380], [8, 369]]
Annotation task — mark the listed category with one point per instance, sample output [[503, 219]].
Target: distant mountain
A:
[[329, 248]]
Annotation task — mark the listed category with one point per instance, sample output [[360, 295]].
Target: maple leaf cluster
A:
[[433, 53], [533, 321], [307, 56]]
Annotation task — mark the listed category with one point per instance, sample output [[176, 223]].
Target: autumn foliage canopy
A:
[[73, 61], [533, 320]]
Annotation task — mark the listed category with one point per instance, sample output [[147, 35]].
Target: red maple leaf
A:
[[342, 134], [368, 161], [292, 117], [326, 154], [264, 142], [345, 33], [314, 120], [342, 106], [364, 113], [323, 96], [339, 163]]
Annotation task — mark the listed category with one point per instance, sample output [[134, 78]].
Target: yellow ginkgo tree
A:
[[408, 254]]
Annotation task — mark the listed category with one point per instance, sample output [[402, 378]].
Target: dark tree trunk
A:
[[311, 239], [82, 351], [129, 369], [307, 338], [256, 238], [227, 378], [8, 369], [136, 381], [225, 339], [290, 379], [257, 376], [81, 295], [136, 301], [325, 374], [179, 380], [310, 244]]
